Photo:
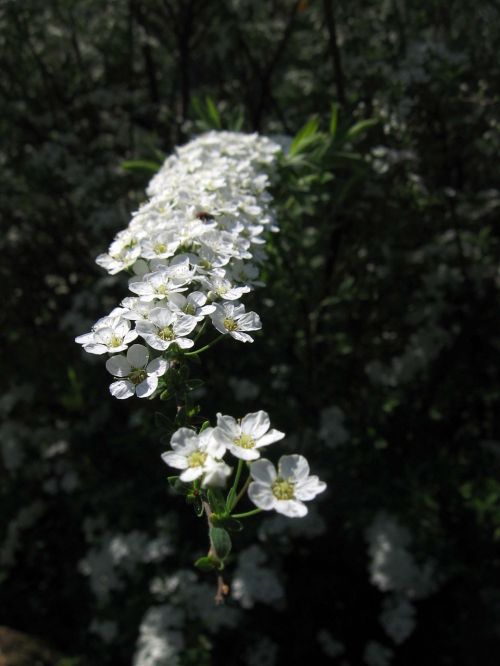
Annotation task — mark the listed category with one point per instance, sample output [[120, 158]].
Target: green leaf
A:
[[206, 563], [334, 117], [226, 522], [213, 113], [205, 425], [360, 127], [305, 136], [221, 542], [216, 500], [141, 165]]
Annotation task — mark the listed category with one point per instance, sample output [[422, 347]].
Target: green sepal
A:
[[227, 522], [221, 542], [204, 426], [216, 500], [179, 486], [206, 563]]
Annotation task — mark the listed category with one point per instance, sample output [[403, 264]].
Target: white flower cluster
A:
[[393, 569], [194, 249], [200, 456]]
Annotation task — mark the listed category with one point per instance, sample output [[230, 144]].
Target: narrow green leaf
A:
[[213, 113], [205, 425], [334, 118], [360, 127], [221, 542], [141, 165], [230, 500], [305, 136]]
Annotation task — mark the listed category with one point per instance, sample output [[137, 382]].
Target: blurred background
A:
[[378, 355]]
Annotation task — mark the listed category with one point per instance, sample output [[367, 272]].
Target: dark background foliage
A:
[[381, 300]]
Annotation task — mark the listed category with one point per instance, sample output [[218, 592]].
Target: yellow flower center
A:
[[283, 490], [159, 248], [245, 441], [166, 334], [197, 459], [230, 324], [115, 341], [137, 376], [162, 290], [189, 309]]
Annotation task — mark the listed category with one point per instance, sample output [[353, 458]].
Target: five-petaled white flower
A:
[[245, 437], [197, 455], [136, 375], [286, 490], [232, 319], [110, 334], [165, 327]]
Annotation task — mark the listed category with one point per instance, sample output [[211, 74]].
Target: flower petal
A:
[[309, 488], [263, 471], [291, 508], [122, 389], [185, 440], [294, 467], [118, 366], [157, 367], [191, 474], [137, 356], [255, 424], [261, 495], [174, 459], [270, 437], [147, 387]]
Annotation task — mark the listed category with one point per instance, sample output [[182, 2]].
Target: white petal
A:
[[241, 337], [228, 426], [250, 322], [122, 389], [309, 488], [255, 424], [216, 475], [294, 467], [261, 495], [290, 508], [174, 459], [96, 348], [191, 474], [263, 471], [184, 439], [137, 356], [147, 387], [118, 366], [243, 454], [270, 437], [184, 343], [158, 367], [162, 317], [185, 325]]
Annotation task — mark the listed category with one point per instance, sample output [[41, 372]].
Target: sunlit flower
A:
[[244, 438], [136, 375], [286, 490]]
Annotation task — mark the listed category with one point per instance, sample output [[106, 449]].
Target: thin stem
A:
[[242, 491], [200, 331], [234, 487], [247, 514], [202, 349]]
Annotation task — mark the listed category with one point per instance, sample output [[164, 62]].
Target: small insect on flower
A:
[[204, 216]]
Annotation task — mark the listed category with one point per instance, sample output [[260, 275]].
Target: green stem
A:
[[247, 514], [202, 349], [242, 491], [229, 503]]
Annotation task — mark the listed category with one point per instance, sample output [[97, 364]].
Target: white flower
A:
[[159, 285], [137, 376], [232, 319], [286, 490], [245, 437], [197, 455], [164, 328], [193, 305], [219, 286], [110, 334]]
